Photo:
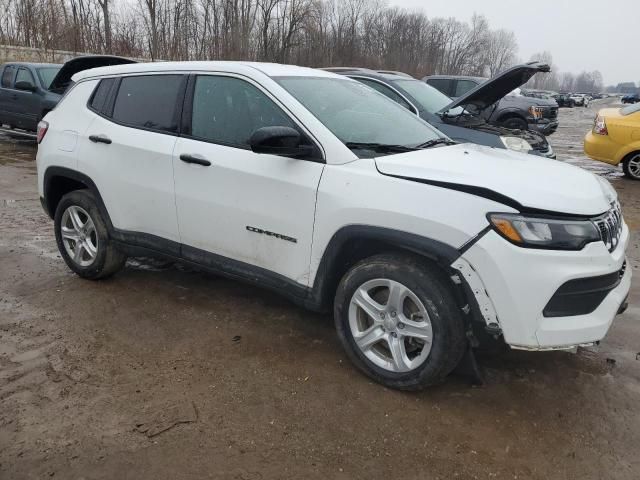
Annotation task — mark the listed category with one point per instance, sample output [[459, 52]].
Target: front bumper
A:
[[545, 127], [548, 153], [520, 282]]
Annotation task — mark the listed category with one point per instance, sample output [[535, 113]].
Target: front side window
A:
[[149, 101], [24, 75], [356, 114], [7, 76], [386, 91], [228, 110], [47, 74]]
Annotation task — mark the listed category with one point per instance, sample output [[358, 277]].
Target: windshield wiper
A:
[[380, 147], [436, 141]]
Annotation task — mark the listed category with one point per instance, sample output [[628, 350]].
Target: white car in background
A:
[[324, 190], [581, 100]]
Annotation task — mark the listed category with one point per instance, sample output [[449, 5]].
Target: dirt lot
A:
[[163, 372]]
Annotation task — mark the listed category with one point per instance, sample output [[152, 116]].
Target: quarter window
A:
[[228, 110], [7, 76], [149, 101], [101, 94], [24, 75]]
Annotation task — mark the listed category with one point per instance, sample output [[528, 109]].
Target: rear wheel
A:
[[83, 239], [398, 321], [631, 166]]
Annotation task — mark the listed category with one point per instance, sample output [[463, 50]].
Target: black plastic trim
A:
[[471, 242], [582, 296]]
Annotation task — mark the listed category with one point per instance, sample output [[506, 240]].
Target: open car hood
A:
[[496, 88], [62, 80], [523, 182]]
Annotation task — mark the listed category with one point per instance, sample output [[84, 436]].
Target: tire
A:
[[515, 123], [426, 293], [631, 166], [78, 221]]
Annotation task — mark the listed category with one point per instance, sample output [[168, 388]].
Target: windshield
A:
[[47, 75], [356, 113], [430, 99], [630, 109]]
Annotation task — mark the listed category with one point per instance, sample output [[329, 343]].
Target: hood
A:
[[523, 182], [496, 88], [62, 80]]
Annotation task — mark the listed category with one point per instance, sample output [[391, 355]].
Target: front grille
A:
[[551, 113], [610, 226]]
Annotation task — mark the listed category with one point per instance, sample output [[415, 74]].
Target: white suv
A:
[[318, 187]]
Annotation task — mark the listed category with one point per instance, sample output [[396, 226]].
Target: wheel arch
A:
[[510, 113], [354, 243], [58, 181]]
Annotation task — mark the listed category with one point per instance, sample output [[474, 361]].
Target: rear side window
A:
[[7, 76], [387, 92], [149, 102], [101, 94], [443, 84], [464, 86]]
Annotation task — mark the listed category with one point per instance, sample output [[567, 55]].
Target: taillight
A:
[[600, 126], [42, 130]]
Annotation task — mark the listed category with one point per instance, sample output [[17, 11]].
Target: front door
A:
[[26, 103], [257, 209]]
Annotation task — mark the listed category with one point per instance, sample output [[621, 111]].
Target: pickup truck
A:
[[28, 91]]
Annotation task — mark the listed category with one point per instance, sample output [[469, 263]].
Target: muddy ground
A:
[[164, 372]]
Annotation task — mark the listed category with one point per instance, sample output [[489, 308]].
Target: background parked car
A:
[[456, 122], [580, 99], [28, 91], [511, 111], [564, 100], [615, 139], [634, 98]]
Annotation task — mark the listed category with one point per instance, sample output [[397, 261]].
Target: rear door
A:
[[26, 104], [6, 94], [128, 150], [248, 209]]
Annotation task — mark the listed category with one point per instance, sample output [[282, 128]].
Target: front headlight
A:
[[516, 143], [540, 232], [536, 112]]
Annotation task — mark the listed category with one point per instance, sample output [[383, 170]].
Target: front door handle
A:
[[100, 139], [185, 157]]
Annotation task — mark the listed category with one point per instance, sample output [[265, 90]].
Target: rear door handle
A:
[[100, 139], [185, 157]]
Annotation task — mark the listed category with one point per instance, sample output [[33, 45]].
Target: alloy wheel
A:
[[390, 325], [79, 236], [633, 166]]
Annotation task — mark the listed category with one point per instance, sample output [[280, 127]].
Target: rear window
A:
[[149, 102], [630, 109], [7, 76], [101, 94], [464, 86]]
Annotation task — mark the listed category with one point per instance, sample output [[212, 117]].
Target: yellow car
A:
[[615, 138]]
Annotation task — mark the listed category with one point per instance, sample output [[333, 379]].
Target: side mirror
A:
[[284, 141], [26, 86]]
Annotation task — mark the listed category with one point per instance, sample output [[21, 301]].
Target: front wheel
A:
[[631, 166], [83, 239], [515, 123], [398, 321]]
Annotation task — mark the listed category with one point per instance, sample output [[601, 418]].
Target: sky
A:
[[580, 34]]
